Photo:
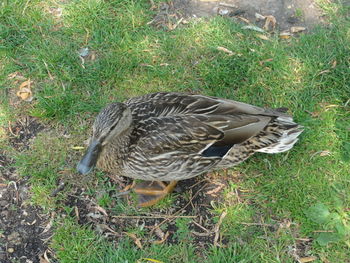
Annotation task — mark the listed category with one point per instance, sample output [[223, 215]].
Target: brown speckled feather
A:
[[176, 136]]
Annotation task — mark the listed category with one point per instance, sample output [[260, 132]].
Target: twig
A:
[[177, 23], [257, 224], [217, 228], [10, 129], [25, 7], [48, 71], [60, 187], [200, 226], [153, 216], [227, 5], [201, 234]]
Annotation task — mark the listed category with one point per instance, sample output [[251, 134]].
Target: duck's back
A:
[[177, 136]]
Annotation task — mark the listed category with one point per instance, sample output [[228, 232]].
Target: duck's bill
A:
[[88, 162]]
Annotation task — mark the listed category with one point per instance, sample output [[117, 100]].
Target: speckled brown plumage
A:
[[174, 136]]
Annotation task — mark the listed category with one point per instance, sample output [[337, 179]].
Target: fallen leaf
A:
[[24, 91], [285, 35], [325, 153], [163, 239], [78, 147], [297, 29], [334, 63], [307, 259], [270, 20], [229, 52], [263, 37], [101, 209], [151, 260], [136, 240], [255, 28], [16, 75], [216, 189]]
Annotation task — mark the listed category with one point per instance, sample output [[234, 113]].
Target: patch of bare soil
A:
[[288, 13], [22, 226], [192, 203], [23, 131]]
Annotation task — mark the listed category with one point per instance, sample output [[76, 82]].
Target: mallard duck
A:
[[167, 137]]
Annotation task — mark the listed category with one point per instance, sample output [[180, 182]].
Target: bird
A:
[[164, 137]]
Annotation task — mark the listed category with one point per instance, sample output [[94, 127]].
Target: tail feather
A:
[[289, 132]]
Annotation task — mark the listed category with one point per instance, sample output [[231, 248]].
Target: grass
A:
[[308, 74]]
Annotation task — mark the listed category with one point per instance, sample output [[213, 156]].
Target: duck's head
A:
[[112, 121]]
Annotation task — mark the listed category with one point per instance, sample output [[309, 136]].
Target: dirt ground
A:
[[288, 13], [23, 233]]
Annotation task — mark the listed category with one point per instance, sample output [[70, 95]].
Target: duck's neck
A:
[[115, 152]]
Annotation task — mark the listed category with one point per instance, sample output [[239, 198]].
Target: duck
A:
[[164, 137]]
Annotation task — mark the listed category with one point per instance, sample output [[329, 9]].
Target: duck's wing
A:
[[175, 104], [193, 134], [180, 147]]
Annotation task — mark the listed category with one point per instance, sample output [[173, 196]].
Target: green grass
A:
[[133, 58]]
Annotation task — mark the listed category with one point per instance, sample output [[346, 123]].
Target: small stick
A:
[[58, 189], [217, 228], [48, 71], [227, 5], [202, 227], [257, 224], [155, 216]]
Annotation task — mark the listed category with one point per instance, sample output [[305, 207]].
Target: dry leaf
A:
[[136, 240], [216, 189], [270, 20], [163, 239], [229, 52], [307, 259], [24, 91], [16, 75], [261, 36], [296, 29], [285, 35], [101, 209], [334, 63], [325, 153], [78, 147], [150, 260]]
